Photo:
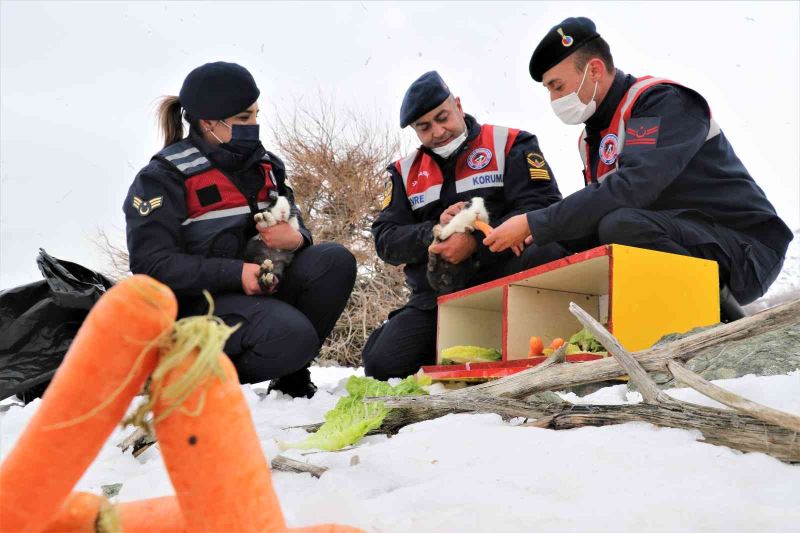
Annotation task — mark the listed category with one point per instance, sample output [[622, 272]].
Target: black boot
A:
[[729, 308], [297, 384]]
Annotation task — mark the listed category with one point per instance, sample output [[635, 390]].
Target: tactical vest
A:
[[480, 165], [217, 212], [613, 137]]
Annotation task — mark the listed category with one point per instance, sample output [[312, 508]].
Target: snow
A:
[[476, 472]]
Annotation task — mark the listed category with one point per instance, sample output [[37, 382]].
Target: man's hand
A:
[[450, 212], [457, 248], [281, 236], [513, 233]]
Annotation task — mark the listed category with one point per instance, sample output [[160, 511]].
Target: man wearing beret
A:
[[458, 160], [659, 172]]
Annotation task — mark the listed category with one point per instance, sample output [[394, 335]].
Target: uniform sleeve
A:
[[399, 238], [528, 185], [681, 116], [154, 238]]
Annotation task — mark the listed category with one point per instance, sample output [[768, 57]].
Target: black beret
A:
[[218, 90], [561, 41], [427, 92]]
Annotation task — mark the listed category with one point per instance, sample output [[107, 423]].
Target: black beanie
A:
[[218, 90]]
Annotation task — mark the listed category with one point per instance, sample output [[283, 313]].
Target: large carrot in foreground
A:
[[106, 365], [207, 438], [214, 458]]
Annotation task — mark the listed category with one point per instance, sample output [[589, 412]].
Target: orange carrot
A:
[[78, 514], [536, 347], [213, 455], [153, 515], [106, 365], [483, 227], [557, 343]]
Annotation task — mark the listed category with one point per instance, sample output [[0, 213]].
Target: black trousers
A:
[[746, 266], [407, 341], [283, 333]]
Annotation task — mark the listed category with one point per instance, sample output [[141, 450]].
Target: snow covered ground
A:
[[478, 473], [475, 472]]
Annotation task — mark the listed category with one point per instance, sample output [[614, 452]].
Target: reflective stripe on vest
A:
[[186, 157], [622, 114], [422, 177]]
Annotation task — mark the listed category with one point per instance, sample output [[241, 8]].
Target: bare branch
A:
[[734, 401], [650, 391]]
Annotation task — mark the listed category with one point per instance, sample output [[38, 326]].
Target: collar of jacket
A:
[[605, 111], [473, 130], [225, 159]]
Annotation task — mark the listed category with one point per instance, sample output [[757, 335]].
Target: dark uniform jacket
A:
[[189, 213], [403, 233], [679, 165]]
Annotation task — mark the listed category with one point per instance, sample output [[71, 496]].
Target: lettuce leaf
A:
[[586, 342], [351, 419]]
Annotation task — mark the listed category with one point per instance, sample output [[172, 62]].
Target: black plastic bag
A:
[[39, 320]]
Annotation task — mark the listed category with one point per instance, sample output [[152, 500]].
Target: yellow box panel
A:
[[656, 293]]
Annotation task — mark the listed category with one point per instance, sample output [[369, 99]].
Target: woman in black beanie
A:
[[189, 215]]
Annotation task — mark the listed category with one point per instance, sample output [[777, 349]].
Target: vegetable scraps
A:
[[352, 418], [469, 354], [584, 342]]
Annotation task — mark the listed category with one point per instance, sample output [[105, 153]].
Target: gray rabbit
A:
[[273, 262], [445, 277]]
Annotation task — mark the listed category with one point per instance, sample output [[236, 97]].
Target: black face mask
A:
[[244, 139]]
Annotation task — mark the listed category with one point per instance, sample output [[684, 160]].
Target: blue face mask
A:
[[244, 139]]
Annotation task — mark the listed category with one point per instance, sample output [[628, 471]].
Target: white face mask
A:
[[448, 149], [570, 109]]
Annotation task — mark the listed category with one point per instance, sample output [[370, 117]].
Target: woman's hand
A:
[[250, 284], [514, 232], [281, 236]]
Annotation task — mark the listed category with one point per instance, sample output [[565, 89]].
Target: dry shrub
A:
[[337, 171], [338, 174]]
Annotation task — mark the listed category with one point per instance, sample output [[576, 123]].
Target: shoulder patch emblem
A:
[[609, 149], [145, 207], [479, 158], [387, 194], [537, 166], [642, 134]]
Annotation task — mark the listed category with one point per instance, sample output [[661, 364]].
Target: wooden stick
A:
[[507, 386], [284, 464], [734, 401], [650, 391], [727, 428]]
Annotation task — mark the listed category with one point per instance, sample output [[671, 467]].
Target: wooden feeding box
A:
[[639, 295]]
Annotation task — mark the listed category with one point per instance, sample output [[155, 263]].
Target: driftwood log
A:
[[748, 427]]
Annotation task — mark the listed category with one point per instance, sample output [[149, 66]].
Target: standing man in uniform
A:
[[459, 159], [659, 172]]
